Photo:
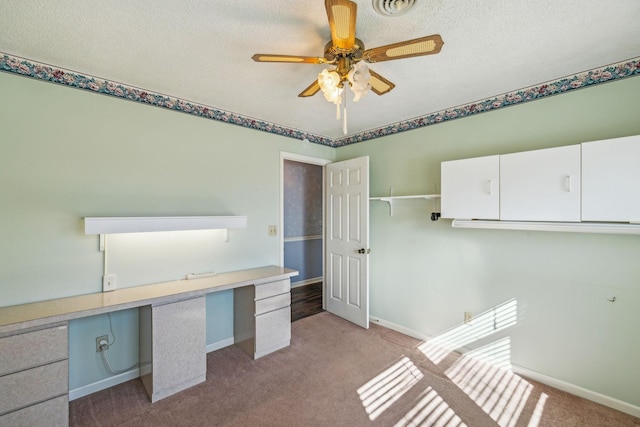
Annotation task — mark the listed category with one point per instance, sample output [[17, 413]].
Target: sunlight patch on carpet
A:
[[431, 410], [382, 391], [485, 376]]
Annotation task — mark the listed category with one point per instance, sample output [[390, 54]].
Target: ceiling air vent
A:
[[393, 7]]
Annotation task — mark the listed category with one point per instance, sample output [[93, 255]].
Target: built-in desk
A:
[[172, 322]]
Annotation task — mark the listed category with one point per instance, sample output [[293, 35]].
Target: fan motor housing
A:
[[331, 53]]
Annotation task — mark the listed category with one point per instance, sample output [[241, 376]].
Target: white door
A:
[[541, 185], [470, 188], [347, 240]]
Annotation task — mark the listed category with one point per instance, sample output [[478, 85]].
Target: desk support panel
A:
[[173, 353]]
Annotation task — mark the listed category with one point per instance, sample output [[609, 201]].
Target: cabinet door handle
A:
[[490, 186], [569, 183]]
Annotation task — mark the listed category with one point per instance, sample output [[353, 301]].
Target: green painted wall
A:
[[66, 154], [425, 275]]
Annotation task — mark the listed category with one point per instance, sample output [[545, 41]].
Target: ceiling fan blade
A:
[[264, 57], [428, 45], [311, 90], [379, 85], [342, 21]]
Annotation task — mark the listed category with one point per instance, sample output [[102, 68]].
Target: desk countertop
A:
[[18, 317]]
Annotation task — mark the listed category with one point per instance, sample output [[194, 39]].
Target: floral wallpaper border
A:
[[48, 73], [588, 78]]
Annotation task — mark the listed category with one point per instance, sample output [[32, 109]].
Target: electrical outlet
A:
[[468, 317], [273, 230], [102, 343], [109, 283]]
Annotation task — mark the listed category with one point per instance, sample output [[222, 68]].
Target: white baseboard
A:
[[219, 344], [593, 396], [399, 328], [79, 392], [86, 390], [306, 282]]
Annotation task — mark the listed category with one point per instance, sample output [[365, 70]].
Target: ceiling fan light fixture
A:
[[329, 82], [348, 55], [359, 78]]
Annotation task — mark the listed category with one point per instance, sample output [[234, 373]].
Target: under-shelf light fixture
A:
[[114, 225], [575, 227], [103, 226]]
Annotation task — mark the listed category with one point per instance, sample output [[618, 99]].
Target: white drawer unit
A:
[[273, 303], [273, 288], [262, 320], [53, 412], [34, 378]]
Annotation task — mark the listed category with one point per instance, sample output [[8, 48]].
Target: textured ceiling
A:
[[200, 51]]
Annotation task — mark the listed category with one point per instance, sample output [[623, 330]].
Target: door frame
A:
[[314, 161]]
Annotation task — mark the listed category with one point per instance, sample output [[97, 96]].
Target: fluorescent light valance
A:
[[111, 225], [576, 227]]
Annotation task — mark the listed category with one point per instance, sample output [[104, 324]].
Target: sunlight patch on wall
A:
[[495, 319], [497, 353]]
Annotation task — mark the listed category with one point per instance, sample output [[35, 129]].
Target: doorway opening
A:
[[302, 240]]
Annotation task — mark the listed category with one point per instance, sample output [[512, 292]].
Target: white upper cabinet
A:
[[541, 185], [611, 180], [470, 188]]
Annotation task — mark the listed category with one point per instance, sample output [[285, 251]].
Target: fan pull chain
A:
[[344, 123]]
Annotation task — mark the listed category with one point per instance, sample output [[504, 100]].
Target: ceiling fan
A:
[[346, 52]]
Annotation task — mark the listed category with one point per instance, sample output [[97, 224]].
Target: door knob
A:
[[364, 251]]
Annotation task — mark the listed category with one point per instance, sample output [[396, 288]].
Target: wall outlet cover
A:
[[109, 283], [468, 318]]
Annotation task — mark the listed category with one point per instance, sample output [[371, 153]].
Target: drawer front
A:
[[273, 303], [272, 289], [24, 351], [33, 385], [273, 331], [54, 412]]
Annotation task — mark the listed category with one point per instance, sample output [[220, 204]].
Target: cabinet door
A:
[[470, 188], [611, 180], [541, 185]]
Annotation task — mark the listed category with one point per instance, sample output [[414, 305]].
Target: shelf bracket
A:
[[389, 200]]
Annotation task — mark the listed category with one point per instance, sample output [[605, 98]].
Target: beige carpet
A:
[[337, 374]]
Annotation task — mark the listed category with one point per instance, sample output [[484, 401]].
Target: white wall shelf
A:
[[111, 225], [391, 198], [576, 227]]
